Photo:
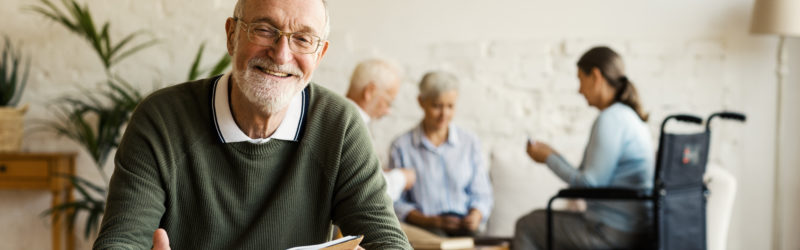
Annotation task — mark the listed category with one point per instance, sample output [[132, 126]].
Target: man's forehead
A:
[[296, 15]]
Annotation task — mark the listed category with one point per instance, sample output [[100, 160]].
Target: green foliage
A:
[[92, 201], [95, 120], [78, 19], [195, 72], [13, 75]]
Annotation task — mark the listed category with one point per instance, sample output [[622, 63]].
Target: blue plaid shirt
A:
[[450, 178]]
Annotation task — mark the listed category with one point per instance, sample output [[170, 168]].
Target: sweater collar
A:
[[229, 132]]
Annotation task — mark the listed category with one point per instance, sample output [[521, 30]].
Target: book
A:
[[422, 239], [345, 243]]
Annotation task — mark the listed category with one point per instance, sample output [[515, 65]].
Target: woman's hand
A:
[[473, 220], [449, 223], [539, 151], [415, 217], [576, 205]]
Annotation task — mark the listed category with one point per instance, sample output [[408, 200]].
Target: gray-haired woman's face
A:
[[439, 110]]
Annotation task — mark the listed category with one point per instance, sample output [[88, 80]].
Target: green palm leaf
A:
[[194, 71], [219, 67], [13, 75], [133, 50], [78, 19]]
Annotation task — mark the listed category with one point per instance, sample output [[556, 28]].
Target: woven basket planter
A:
[[11, 128]]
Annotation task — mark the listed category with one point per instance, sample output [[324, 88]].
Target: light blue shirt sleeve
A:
[[600, 158], [402, 206], [480, 190]]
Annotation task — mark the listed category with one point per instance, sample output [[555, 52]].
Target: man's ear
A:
[[324, 50], [230, 30], [419, 101], [369, 92]]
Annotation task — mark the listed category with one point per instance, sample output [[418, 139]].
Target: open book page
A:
[[422, 239], [345, 243]]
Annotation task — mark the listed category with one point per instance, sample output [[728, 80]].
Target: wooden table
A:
[[42, 171], [492, 243]]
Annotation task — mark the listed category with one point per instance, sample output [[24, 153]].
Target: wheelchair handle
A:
[[684, 118], [729, 115], [726, 115], [689, 118]]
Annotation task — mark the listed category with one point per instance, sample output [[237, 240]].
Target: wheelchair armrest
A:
[[605, 193]]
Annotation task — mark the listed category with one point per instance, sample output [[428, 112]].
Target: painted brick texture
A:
[[516, 64]]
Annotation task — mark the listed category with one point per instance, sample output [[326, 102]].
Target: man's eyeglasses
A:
[[267, 35]]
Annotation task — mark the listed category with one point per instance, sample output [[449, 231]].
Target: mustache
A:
[[267, 64]]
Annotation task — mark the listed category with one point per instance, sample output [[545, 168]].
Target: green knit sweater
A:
[[173, 172]]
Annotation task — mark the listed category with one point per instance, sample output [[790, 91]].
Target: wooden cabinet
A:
[[42, 171]]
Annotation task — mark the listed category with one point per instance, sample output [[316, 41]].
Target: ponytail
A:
[[628, 95], [610, 65]]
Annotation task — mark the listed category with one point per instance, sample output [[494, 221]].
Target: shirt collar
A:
[[420, 140], [229, 132], [364, 115]]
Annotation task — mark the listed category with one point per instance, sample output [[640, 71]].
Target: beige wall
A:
[[790, 159], [515, 60]]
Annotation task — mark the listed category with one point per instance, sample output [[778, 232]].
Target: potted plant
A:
[[13, 76], [96, 120]]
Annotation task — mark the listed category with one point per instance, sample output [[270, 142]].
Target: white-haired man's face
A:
[[381, 103], [270, 75]]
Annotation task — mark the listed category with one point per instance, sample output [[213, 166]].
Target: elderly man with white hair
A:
[[373, 87], [452, 195], [258, 158]]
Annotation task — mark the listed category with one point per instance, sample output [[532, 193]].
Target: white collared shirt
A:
[[364, 115], [395, 179], [229, 132]]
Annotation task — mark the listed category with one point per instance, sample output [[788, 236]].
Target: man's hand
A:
[[411, 177], [160, 240], [473, 220], [539, 151]]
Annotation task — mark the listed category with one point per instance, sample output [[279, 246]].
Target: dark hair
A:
[[610, 65]]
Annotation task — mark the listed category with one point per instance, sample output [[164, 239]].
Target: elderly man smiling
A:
[[258, 158]]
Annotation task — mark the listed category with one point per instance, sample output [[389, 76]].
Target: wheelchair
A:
[[678, 196]]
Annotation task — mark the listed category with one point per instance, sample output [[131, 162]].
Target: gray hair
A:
[[378, 71], [436, 83], [238, 11]]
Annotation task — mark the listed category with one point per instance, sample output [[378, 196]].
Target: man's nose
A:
[[281, 52]]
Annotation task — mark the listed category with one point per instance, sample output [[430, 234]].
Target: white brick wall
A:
[[515, 59]]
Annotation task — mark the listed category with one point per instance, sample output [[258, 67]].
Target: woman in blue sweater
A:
[[619, 154]]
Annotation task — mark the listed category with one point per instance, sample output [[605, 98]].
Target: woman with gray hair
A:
[[452, 196]]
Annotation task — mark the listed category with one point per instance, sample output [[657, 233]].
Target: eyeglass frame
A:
[[281, 34]]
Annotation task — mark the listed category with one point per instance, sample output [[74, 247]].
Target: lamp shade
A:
[[779, 17]]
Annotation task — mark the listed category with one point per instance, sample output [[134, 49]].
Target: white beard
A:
[[268, 95]]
